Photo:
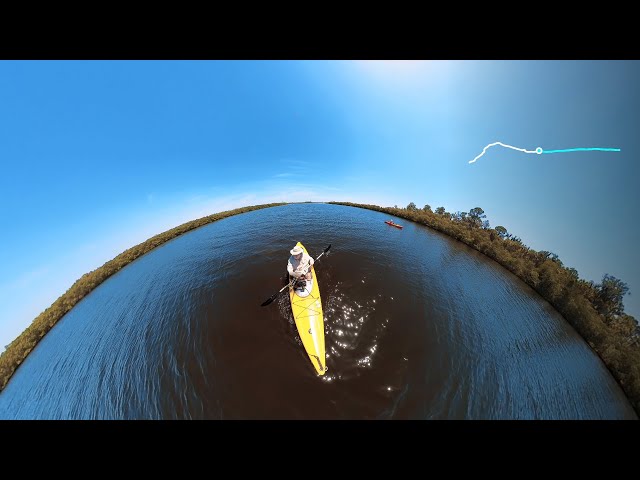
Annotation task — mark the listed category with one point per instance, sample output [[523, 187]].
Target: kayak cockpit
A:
[[304, 290]]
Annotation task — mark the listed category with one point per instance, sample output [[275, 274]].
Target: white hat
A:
[[296, 250]]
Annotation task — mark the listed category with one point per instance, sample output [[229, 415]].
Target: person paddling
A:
[[299, 264]]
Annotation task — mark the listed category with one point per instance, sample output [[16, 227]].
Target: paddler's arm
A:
[[290, 270]]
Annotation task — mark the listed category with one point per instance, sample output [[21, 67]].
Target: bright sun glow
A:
[[392, 67], [398, 73]]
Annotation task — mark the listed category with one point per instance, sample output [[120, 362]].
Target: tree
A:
[[477, 213], [475, 217], [459, 216], [412, 207], [609, 295], [543, 255], [440, 211], [574, 273], [427, 208], [501, 231], [555, 258], [626, 326]]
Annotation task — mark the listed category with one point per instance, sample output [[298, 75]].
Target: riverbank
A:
[[18, 350], [612, 334]]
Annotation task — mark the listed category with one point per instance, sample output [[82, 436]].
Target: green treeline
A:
[[595, 310], [17, 350]]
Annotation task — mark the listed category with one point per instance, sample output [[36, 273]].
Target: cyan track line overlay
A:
[[540, 151], [579, 150]]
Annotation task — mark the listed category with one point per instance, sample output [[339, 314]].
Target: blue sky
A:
[[98, 156]]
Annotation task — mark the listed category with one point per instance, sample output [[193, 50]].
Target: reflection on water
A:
[[418, 326]]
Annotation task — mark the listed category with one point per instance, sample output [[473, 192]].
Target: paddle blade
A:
[[267, 302]]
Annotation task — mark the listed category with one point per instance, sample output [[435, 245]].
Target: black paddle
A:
[[274, 296]]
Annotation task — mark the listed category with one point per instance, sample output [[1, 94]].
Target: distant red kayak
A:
[[389, 222]]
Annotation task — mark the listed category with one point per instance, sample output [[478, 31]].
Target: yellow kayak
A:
[[307, 313]]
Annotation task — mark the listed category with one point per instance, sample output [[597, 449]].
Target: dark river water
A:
[[418, 326]]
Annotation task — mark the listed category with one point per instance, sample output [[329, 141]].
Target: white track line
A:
[[484, 150]]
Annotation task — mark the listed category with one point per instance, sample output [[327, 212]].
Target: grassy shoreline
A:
[[19, 348], [613, 335]]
